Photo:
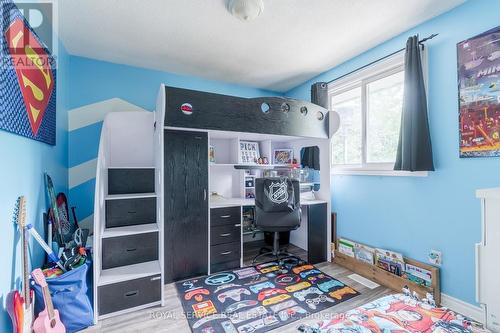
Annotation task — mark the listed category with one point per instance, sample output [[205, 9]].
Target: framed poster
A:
[[27, 79], [283, 156], [479, 94], [249, 152]]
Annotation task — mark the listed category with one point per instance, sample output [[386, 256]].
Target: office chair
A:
[[277, 209]]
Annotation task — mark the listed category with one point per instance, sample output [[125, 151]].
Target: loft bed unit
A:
[[165, 225]]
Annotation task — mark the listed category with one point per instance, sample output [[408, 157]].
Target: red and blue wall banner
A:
[[27, 79]]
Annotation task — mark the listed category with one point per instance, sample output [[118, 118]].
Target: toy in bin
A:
[[70, 295], [48, 320]]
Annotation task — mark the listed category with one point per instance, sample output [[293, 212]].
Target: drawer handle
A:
[[132, 293], [225, 216], [226, 253], [132, 212], [132, 250], [238, 225], [225, 235]]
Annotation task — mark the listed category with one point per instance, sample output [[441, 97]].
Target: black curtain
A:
[[414, 148], [319, 94], [310, 158]]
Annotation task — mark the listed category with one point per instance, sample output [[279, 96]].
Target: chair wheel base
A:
[[278, 256]]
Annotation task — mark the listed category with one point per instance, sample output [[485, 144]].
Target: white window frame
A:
[[361, 78]]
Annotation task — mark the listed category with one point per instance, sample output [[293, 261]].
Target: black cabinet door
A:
[[186, 204], [317, 232]]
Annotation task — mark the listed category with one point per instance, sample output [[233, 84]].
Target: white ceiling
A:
[[292, 41]]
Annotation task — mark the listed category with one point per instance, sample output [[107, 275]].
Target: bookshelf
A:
[[388, 279]]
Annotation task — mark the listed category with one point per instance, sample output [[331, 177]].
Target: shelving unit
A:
[[389, 279], [127, 217]]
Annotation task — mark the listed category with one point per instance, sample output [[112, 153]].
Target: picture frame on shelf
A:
[[282, 156], [249, 152], [211, 154]]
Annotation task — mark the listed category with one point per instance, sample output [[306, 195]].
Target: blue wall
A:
[[23, 162], [94, 81], [414, 215]]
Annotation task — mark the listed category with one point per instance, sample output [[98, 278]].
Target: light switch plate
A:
[[435, 257]]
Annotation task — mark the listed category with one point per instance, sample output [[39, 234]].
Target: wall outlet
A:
[[436, 257]]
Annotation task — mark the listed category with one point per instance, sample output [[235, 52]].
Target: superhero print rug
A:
[[259, 298], [395, 314]]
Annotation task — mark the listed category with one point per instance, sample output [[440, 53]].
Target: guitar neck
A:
[[26, 272], [48, 302]]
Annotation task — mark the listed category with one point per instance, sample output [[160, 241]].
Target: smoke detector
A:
[[245, 10]]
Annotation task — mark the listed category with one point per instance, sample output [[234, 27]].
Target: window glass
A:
[[384, 105], [347, 147]]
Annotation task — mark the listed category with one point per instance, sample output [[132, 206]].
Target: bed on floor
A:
[[395, 314]]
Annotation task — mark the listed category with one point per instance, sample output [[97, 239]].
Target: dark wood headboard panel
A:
[[229, 113]]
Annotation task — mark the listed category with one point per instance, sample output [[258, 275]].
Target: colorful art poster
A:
[[479, 94], [27, 79]]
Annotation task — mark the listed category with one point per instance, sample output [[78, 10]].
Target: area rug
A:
[[396, 314], [259, 298]]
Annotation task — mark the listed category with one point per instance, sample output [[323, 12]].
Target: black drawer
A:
[[225, 252], [123, 212], [225, 215], [127, 181], [225, 266], [225, 234], [129, 294], [129, 250]]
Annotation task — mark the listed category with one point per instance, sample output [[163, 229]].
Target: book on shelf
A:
[[364, 253], [418, 275], [346, 247], [390, 261]]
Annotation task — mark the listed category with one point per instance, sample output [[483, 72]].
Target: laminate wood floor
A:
[[170, 317]]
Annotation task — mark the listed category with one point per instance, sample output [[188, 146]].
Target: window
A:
[[369, 103]]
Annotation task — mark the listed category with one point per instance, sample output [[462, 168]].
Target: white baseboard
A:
[[464, 308]]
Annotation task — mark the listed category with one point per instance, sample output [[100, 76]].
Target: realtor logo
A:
[[40, 17], [278, 192]]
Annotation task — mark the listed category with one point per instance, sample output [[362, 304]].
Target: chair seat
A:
[[277, 221]]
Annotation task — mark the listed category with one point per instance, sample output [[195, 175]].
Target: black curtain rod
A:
[[380, 59]]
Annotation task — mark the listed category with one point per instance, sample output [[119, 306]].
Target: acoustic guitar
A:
[[48, 321]]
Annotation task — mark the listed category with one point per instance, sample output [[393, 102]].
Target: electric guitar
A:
[[20, 308], [48, 321]]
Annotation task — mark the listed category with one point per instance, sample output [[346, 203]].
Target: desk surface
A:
[[231, 202]]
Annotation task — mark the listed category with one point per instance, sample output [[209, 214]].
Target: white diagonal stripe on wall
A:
[[87, 223], [94, 113], [81, 173]]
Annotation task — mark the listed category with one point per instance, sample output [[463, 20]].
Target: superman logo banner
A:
[[28, 80]]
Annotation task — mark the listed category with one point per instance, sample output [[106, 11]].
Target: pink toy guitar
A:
[[48, 320]]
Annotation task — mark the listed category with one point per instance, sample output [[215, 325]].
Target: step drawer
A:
[[225, 252], [128, 294], [127, 181], [125, 212], [225, 266], [225, 215], [225, 234], [129, 250]]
